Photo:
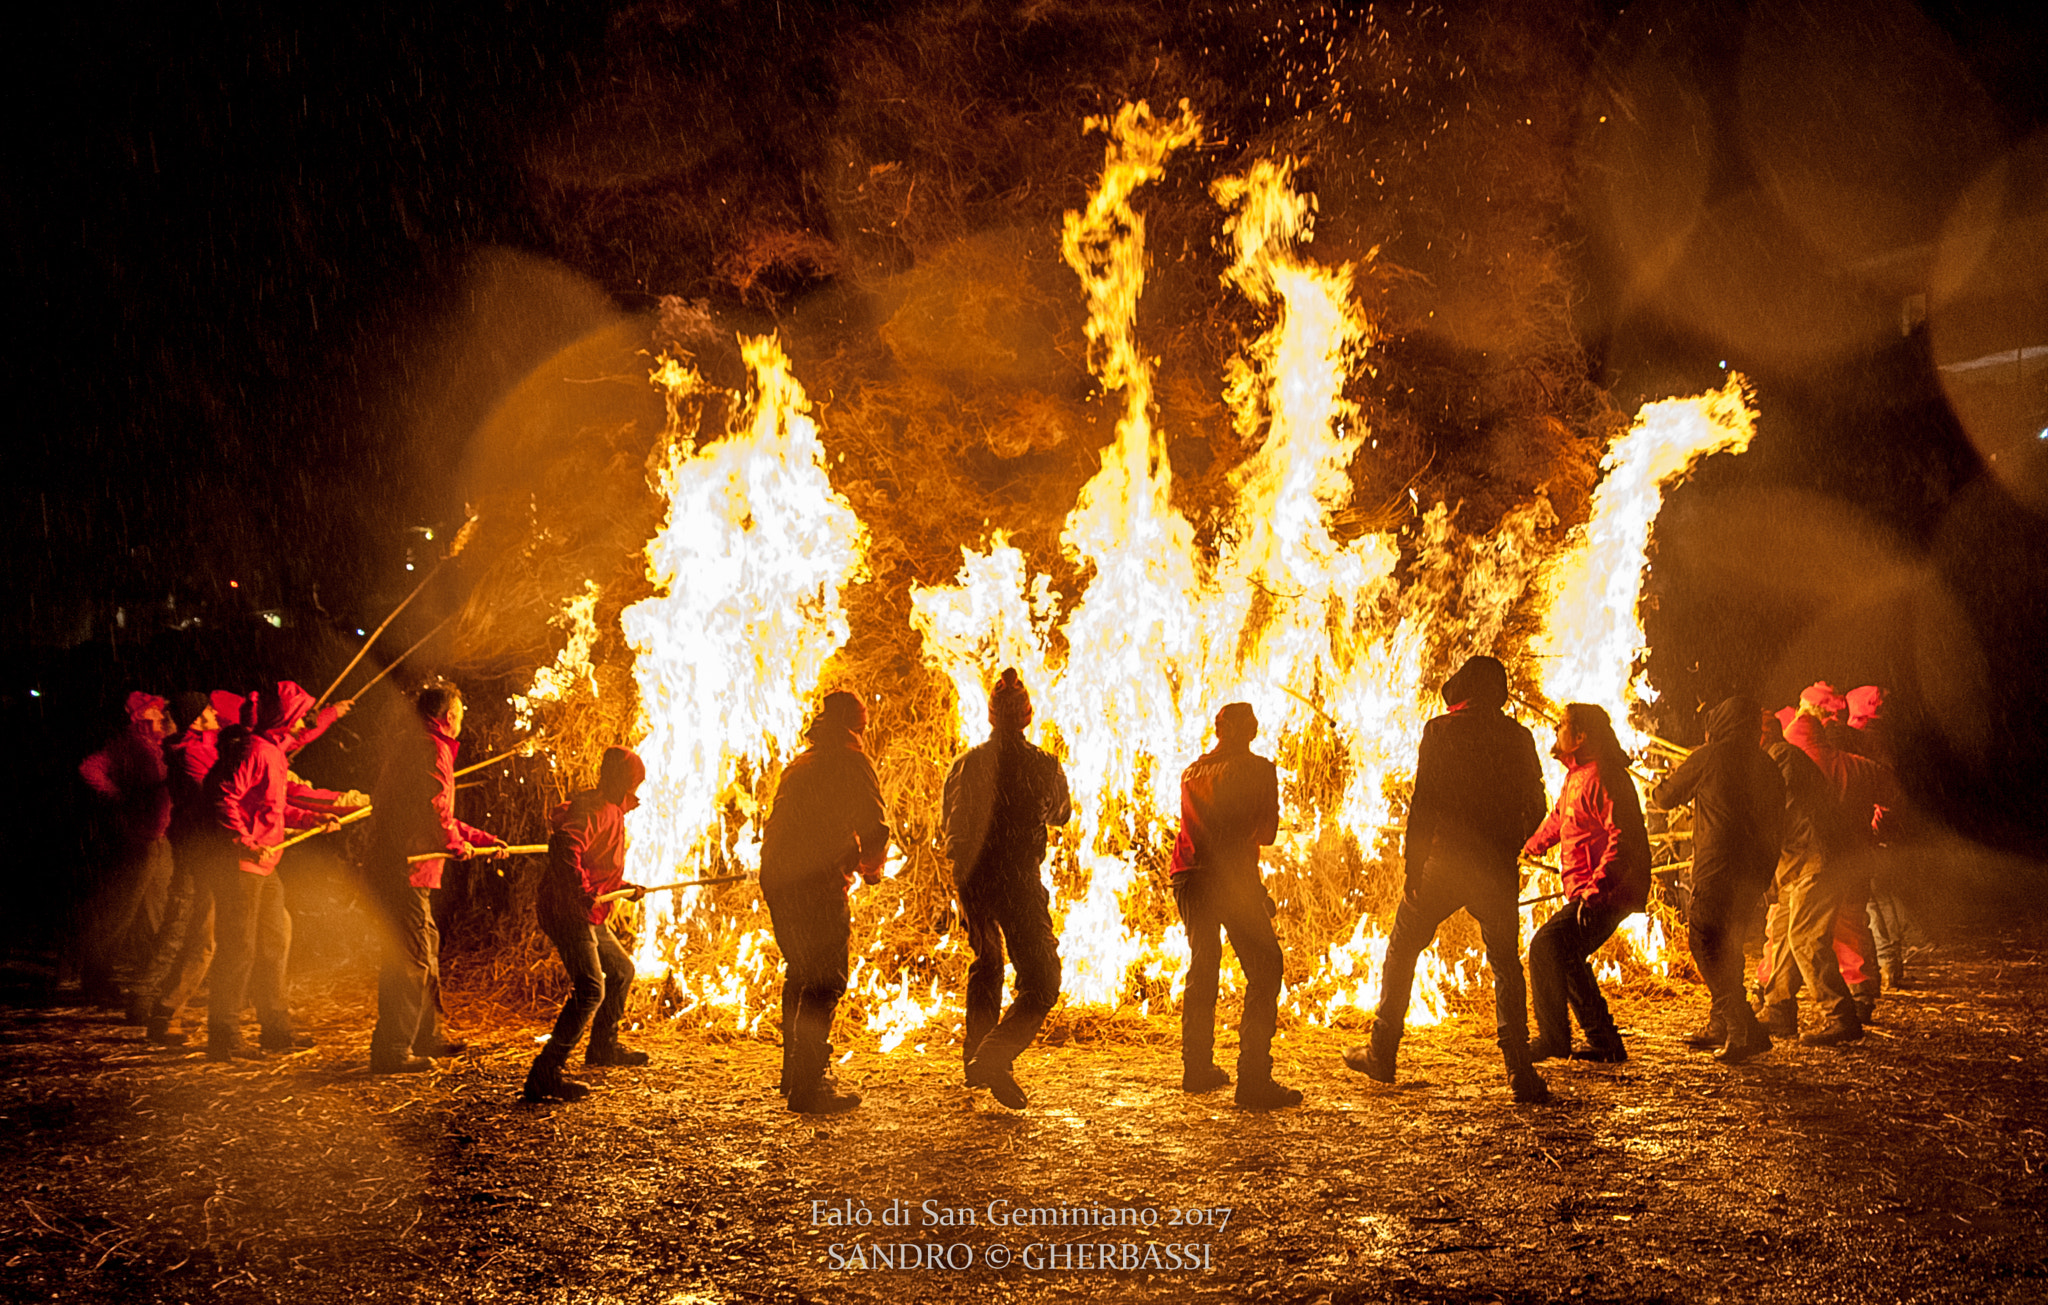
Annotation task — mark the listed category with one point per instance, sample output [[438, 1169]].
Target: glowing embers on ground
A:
[[749, 568]]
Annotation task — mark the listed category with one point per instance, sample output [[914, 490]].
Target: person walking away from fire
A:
[[826, 825], [1738, 801], [1604, 857], [586, 863], [1229, 809], [1478, 795], [248, 793], [129, 779], [998, 799], [414, 802], [1868, 734]]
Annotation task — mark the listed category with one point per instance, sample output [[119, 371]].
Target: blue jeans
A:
[[1488, 896], [601, 975]]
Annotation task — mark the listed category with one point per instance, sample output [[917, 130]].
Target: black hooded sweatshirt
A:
[[1738, 798]]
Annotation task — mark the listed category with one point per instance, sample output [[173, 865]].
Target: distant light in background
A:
[[35, 693], [234, 584], [408, 566], [359, 629]]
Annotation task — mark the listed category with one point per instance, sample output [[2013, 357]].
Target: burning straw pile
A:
[[779, 572]]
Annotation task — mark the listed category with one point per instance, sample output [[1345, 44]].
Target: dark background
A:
[[231, 227]]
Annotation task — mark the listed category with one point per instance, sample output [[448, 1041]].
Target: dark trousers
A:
[[1212, 908], [1561, 982], [600, 977], [184, 947], [812, 928], [1722, 908], [254, 936], [1010, 908], [409, 979], [139, 875], [1489, 898]]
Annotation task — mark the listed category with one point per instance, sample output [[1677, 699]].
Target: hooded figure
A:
[[999, 798], [1604, 859], [1738, 800], [248, 794], [185, 944], [1478, 794], [415, 817], [827, 824], [586, 864], [129, 779]]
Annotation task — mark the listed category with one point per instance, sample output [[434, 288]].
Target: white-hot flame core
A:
[[749, 568], [1318, 633]]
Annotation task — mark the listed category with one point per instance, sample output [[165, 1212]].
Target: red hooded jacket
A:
[[1605, 847], [586, 857], [129, 773], [415, 805], [249, 792]]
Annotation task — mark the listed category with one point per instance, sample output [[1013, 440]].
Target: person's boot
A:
[[1779, 1021], [998, 1079], [1265, 1094], [162, 1028], [228, 1045], [1743, 1047], [1895, 974], [139, 1008], [285, 1040], [1203, 1078], [1834, 1033], [441, 1048], [1375, 1057], [1711, 1035], [1606, 1049], [545, 1082], [612, 1055], [1866, 1010], [823, 1098], [1528, 1086], [387, 1061], [1542, 1049]]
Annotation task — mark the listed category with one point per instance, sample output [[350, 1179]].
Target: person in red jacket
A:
[[1229, 809], [248, 796], [1604, 856], [827, 824], [586, 862], [129, 779], [414, 803]]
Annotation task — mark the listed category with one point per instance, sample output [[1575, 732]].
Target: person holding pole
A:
[[827, 823], [1478, 794], [586, 873], [415, 813]]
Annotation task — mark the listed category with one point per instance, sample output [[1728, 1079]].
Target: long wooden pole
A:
[[402, 656], [666, 888], [348, 819], [455, 547], [486, 853]]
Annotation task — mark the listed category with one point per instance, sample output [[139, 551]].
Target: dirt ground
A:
[[1908, 1167]]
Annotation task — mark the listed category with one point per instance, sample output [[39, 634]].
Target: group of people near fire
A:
[[1791, 806]]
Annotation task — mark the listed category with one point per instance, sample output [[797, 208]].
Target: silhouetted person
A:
[[1478, 794], [586, 862], [1604, 858], [1738, 801], [415, 816], [999, 798], [1229, 809], [827, 824]]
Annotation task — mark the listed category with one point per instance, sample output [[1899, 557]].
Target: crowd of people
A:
[[1792, 806]]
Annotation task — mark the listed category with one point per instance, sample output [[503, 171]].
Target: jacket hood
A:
[[282, 707], [139, 704], [1734, 718], [1481, 682]]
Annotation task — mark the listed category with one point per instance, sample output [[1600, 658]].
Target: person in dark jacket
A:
[[1229, 809], [414, 803], [1868, 734], [1604, 858], [1478, 795], [587, 863], [184, 946], [1738, 801], [827, 824], [248, 793], [998, 800], [129, 779]]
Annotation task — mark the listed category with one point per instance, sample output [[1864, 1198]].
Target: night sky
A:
[[230, 227]]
